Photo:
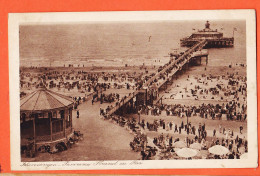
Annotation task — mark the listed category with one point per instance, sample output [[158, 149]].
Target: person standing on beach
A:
[[170, 125], [220, 127], [240, 129], [101, 111], [163, 125], [176, 128], [77, 113], [214, 133]]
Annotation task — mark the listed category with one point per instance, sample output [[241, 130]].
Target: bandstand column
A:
[[51, 124], [70, 111], [64, 122], [145, 97], [34, 131]]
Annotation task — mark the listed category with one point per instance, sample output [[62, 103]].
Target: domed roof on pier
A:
[[43, 99], [207, 32]]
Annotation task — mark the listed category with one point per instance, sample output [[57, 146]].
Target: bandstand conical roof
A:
[[44, 99]]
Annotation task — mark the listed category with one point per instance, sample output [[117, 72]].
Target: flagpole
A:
[[234, 29]]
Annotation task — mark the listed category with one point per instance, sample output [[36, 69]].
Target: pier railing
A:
[[208, 39], [123, 102], [171, 64], [169, 67], [188, 55]]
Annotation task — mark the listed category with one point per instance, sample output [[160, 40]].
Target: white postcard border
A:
[[15, 19]]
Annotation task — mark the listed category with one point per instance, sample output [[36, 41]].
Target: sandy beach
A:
[[101, 135]]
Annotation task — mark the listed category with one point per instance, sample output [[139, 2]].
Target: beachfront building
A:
[[45, 120]]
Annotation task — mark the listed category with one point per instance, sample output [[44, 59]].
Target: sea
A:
[[120, 43]]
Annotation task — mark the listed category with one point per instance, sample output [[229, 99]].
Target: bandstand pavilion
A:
[[45, 118]]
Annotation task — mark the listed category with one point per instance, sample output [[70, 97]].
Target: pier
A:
[[214, 38], [211, 42], [151, 88]]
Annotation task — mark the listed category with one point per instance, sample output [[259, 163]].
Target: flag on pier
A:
[[150, 38]]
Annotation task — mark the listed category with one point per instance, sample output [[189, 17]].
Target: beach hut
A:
[[45, 119]]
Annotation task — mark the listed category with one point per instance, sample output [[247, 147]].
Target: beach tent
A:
[[179, 144], [218, 150], [196, 146], [186, 152]]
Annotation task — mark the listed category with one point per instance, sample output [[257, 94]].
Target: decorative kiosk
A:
[[45, 122]]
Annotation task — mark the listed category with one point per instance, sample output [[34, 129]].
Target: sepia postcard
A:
[[133, 90]]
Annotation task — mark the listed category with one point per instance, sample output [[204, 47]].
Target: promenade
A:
[[103, 140]]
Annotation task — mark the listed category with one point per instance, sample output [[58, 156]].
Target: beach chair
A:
[[30, 149]]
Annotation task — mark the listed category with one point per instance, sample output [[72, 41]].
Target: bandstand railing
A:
[[68, 131], [47, 138], [58, 135], [43, 138]]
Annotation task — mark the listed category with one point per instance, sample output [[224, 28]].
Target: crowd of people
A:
[[189, 133], [236, 146], [79, 81], [201, 87], [232, 111], [140, 141]]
